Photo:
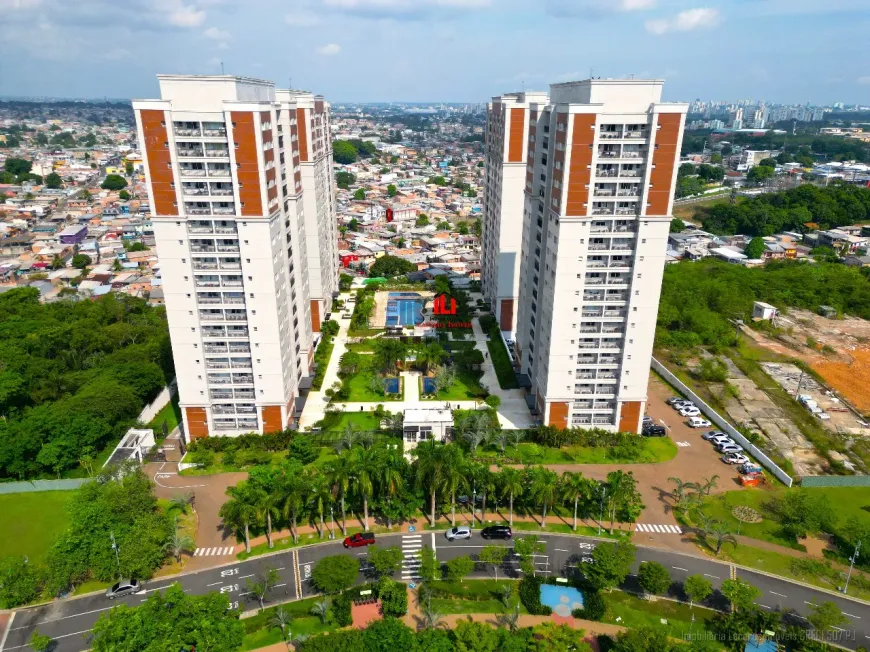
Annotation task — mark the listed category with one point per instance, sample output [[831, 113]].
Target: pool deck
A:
[[379, 316]]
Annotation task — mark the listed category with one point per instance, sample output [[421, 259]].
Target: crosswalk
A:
[[658, 529], [214, 552], [412, 544]]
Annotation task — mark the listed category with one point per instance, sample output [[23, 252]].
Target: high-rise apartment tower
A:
[[602, 159], [242, 205]]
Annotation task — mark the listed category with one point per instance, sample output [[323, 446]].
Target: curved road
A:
[[69, 621]]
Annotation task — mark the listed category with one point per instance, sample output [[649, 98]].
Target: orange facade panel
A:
[[302, 129], [159, 161], [315, 316], [580, 173], [517, 129], [664, 159], [247, 163], [271, 419], [506, 318], [629, 417], [558, 415], [197, 422]]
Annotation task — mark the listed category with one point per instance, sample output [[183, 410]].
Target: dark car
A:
[[124, 587], [496, 532], [654, 431]]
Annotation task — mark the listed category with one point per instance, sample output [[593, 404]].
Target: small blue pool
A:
[[391, 385], [561, 599], [428, 385], [758, 643], [404, 309]]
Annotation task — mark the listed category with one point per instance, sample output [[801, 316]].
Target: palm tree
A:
[[486, 486], [240, 510], [281, 619], [179, 543], [510, 619], [430, 355], [474, 438], [708, 485], [681, 488], [512, 485], [339, 473], [507, 592], [721, 534], [431, 471], [365, 468], [349, 437], [269, 506], [320, 496], [390, 477], [455, 477], [500, 438], [293, 492], [182, 501], [574, 488], [321, 610], [544, 489], [705, 523], [517, 436], [299, 639], [429, 616]]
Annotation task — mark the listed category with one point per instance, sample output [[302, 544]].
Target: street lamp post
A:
[[332, 521], [601, 515], [115, 548], [852, 560]]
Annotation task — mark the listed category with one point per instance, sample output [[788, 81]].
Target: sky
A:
[[782, 51]]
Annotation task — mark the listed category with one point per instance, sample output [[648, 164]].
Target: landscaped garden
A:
[[31, 521]]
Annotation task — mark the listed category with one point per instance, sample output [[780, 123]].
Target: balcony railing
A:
[[219, 381], [240, 348], [610, 134], [629, 193], [589, 329], [190, 172], [241, 409], [195, 191], [228, 249], [199, 229], [208, 284], [594, 281], [236, 316], [606, 173], [218, 395], [615, 297], [600, 192], [220, 409], [217, 333], [221, 191], [241, 393], [595, 264], [225, 229], [229, 265], [636, 134], [232, 284], [243, 379], [198, 211], [243, 333], [241, 364], [214, 133], [591, 314], [608, 154], [626, 211], [620, 263], [632, 155], [614, 313], [200, 249], [578, 390], [218, 210], [209, 300], [217, 153], [617, 281], [620, 247], [630, 173], [211, 316], [199, 265], [587, 345], [233, 300], [191, 153], [217, 365], [602, 211], [186, 132]]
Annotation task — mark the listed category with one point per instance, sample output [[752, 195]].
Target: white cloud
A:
[[864, 81], [18, 4], [595, 8], [685, 21], [331, 49], [186, 16], [217, 34]]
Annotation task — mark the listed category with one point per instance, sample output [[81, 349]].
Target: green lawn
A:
[[466, 388], [459, 606], [362, 420], [31, 521], [501, 362], [171, 414], [636, 612], [259, 634], [652, 450], [358, 386]]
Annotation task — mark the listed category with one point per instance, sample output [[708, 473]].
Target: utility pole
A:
[[800, 381], [117, 557], [852, 564]]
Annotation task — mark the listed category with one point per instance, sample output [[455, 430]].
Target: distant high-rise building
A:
[[602, 159], [239, 179], [502, 227]]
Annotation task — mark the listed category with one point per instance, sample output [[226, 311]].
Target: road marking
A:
[[839, 629], [277, 586], [851, 616], [220, 551], [683, 444], [685, 570], [715, 577], [214, 583], [560, 550], [244, 577], [779, 594], [18, 647], [811, 604], [658, 529], [54, 620], [764, 605]]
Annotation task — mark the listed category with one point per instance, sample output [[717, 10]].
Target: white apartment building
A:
[[503, 198], [603, 159], [224, 161]]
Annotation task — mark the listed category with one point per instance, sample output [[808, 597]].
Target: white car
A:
[[730, 448], [735, 458], [679, 405], [690, 412], [698, 422], [721, 439], [459, 532]]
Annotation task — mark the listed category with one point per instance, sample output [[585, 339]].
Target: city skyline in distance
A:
[[457, 50]]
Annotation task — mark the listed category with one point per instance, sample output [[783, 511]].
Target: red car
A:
[[359, 540]]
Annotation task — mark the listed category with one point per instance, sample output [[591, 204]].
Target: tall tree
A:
[[365, 470], [513, 484], [241, 510], [574, 488], [611, 564], [544, 488], [431, 471], [340, 472]]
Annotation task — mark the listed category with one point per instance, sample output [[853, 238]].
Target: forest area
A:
[[699, 298], [74, 376]]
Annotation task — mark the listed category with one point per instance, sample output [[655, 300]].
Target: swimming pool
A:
[[404, 309], [391, 385], [428, 385], [561, 599]]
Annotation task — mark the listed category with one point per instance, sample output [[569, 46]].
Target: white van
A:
[[698, 422]]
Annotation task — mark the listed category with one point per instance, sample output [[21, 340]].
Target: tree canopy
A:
[[343, 152], [113, 182], [74, 376], [390, 266], [53, 181]]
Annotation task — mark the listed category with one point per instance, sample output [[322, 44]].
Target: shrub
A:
[[303, 449], [487, 322], [393, 596], [530, 595], [594, 607], [493, 401], [341, 610]]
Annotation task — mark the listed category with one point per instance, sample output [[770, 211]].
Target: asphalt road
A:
[[68, 621]]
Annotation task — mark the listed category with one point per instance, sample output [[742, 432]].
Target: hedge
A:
[[530, 596]]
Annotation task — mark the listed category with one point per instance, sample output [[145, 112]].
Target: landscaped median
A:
[[501, 361]]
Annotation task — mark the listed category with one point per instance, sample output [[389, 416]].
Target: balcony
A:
[[237, 333], [626, 211], [202, 249], [217, 365], [189, 153], [219, 381], [246, 409], [201, 265], [220, 394], [588, 345], [214, 133], [632, 155], [582, 390], [620, 247], [207, 284], [595, 264], [208, 300], [225, 264], [241, 364], [187, 132], [248, 424], [211, 316], [236, 316], [602, 192], [630, 192], [195, 192], [609, 135], [240, 378], [199, 229], [197, 211], [217, 153], [226, 229], [219, 192], [636, 134], [240, 348], [606, 389], [214, 332], [589, 329], [617, 281], [608, 154], [192, 172], [609, 345], [228, 249], [244, 393], [602, 211], [224, 425], [223, 409], [614, 313], [232, 284], [223, 210], [615, 297], [234, 300], [606, 173], [594, 281]]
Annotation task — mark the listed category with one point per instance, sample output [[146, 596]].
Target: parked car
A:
[[647, 421], [729, 448], [713, 433], [465, 501], [679, 405], [496, 532], [458, 532], [748, 467], [690, 411], [359, 540], [122, 588], [721, 439], [675, 399], [653, 431], [698, 422], [735, 458]]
